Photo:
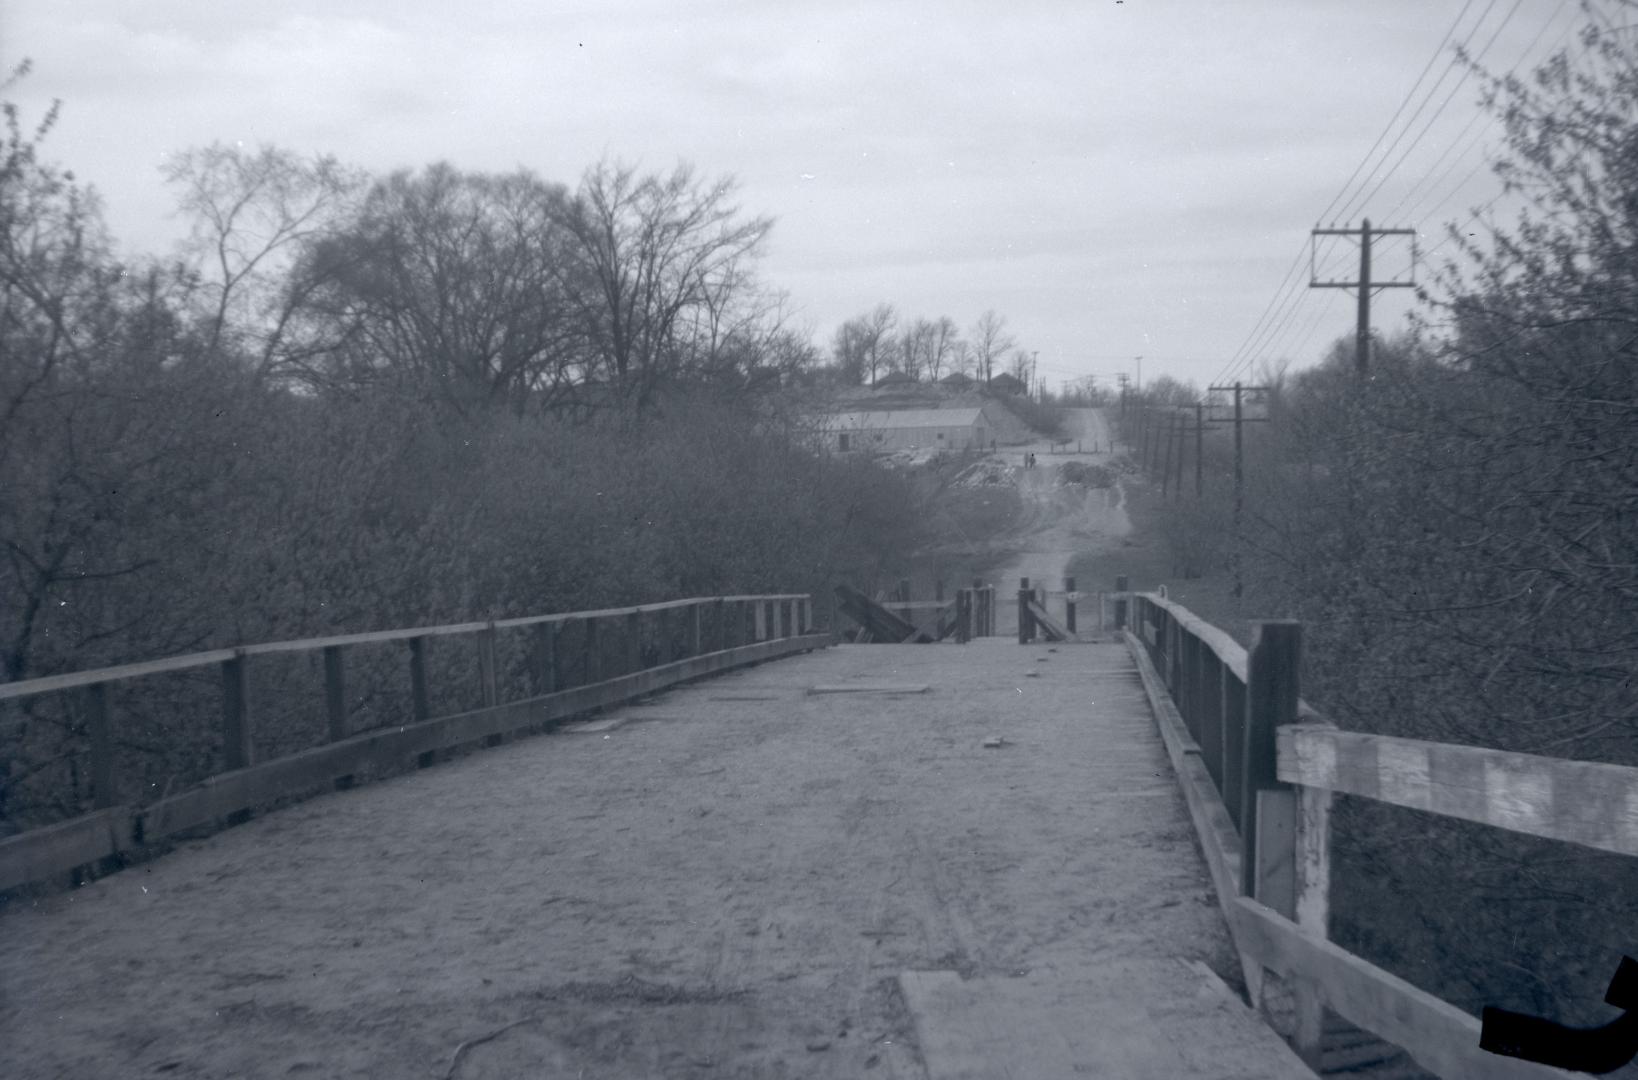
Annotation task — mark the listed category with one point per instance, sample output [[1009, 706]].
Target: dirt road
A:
[[1060, 521], [733, 882]]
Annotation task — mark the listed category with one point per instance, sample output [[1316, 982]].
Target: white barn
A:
[[909, 429]]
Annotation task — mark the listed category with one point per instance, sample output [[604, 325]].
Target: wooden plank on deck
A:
[[1134, 1018]]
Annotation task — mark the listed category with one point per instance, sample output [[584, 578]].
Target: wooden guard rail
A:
[[743, 630], [1259, 767]]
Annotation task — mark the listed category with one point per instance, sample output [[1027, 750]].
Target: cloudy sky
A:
[[1118, 178]]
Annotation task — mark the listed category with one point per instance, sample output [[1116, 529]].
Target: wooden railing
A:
[[1258, 768], [687, 639]]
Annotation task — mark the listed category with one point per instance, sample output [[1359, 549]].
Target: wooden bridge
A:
[[993, 859]]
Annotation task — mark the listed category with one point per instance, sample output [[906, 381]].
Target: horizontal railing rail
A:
[[1259, 767], [628, 659]]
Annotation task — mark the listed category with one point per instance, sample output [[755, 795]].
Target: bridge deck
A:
[[741, 879]]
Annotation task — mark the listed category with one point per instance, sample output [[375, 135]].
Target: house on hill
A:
[[893, 380], [957, 380], [1007, 383], [909, 429]]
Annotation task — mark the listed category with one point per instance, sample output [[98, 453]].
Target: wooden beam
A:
[[1581, 802], [1054, 630], [41, 854], [876, 618], [1442, 1038], [51, 683], [1231, 652]]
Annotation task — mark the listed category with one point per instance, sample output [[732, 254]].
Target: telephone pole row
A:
[[1240, 419]]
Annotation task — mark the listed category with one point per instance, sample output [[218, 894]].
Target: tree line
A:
[[880, 341], [354, 402]]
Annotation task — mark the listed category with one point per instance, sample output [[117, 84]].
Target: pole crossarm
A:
[[1365, 285]]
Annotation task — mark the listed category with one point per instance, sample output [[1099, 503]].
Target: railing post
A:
[[488, 677], [488, 681], [1121, 602], [719, 622], [696, 636], [593, 663], [335, 692], [104, 787], [1026, 625], [420, 706], [1313, 905], [759, 621], [237, 752], [634, 640], [1208, 695], [546, 635], [1069, 604], [236, 742], [1188, 652], [805, 626], [1268, 848]]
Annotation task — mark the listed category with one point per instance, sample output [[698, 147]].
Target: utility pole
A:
[[1239, 466], [1182, 445], [1199, 449], [1166, 469], [1365, 286]]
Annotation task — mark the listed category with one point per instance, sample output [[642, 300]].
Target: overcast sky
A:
[[1115, 178]]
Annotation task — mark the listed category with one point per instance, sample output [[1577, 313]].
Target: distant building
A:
[[1007, 383], [908, 429], [957, 380], [893, 379]]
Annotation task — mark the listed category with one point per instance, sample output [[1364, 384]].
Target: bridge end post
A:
[[1026, 625], [1268, 808], [1121, 602]]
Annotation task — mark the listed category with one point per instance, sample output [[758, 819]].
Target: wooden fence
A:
[[1259, 768], [686, 639]]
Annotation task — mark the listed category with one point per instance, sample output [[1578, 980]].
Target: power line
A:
[[1466, 74], [1472, 123], [1406, 101]]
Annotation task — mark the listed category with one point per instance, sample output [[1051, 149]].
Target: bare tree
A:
[[449, 280], [643, 253], [989, 342], [251, 214], [942, 339], [1020, 367]]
